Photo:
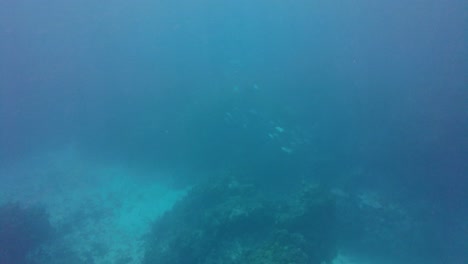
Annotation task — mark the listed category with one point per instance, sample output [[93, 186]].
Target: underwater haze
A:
[[111, 111]]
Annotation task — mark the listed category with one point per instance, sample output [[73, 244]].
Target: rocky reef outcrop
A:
[[227, 222]]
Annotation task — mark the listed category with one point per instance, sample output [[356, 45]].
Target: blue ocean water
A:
[[112, 105]]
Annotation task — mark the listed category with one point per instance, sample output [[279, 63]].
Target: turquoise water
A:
[[110, 111]]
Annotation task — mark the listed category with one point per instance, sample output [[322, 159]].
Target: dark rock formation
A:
[[231, 223], [22, 231]]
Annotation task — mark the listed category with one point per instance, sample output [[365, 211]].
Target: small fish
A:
[[287, 150], [279, 129]]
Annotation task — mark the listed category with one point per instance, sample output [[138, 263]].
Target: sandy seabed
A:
[[103, 211]]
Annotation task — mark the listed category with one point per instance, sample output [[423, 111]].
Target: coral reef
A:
[[227, 222]]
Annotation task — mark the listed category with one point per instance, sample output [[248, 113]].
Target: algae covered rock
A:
[[230, 223]]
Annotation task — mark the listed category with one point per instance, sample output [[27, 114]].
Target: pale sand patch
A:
[[104, 211]]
